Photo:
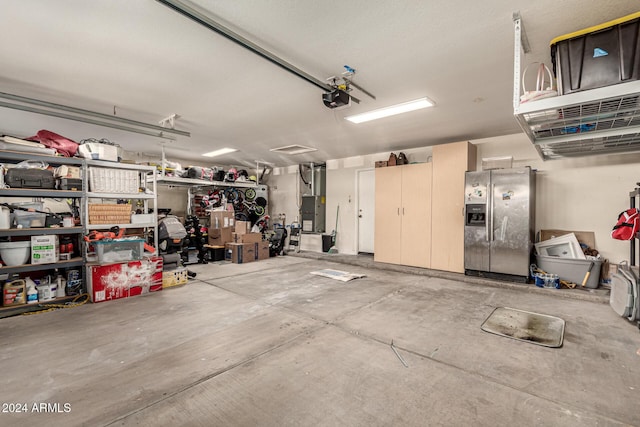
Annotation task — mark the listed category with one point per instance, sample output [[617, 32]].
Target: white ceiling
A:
[[150, 62]]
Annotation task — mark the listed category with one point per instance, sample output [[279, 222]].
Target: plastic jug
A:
[[5, 217]]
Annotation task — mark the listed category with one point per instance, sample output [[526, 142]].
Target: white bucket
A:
[[15, 253]]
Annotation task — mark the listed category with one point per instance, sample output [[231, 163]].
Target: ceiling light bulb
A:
[[405, 107]]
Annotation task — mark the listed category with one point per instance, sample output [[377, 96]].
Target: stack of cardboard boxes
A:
[[233, 241]]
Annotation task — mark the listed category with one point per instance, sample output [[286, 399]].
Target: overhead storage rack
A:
[[598, 121], [604, 120]]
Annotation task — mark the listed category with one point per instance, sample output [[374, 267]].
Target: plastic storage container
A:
[[24, 219], [598, 56], [28, 219], [119, 250], [572, 270]]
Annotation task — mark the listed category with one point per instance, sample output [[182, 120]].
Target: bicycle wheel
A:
[[259, 210], [250, 194], [261, 201]]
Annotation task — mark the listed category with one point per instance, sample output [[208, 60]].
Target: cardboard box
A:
[[65, 171], [221, 219], [382, 164], [243, 227], [262, 250], [607, 271], [44, 249], [220, 236], [99, 151], [174, 277], [240, 253], [123, 280], [250, 238], [585, 237]]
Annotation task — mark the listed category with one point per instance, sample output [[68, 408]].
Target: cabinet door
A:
[[450, 162], [416, 215], [388, 220]]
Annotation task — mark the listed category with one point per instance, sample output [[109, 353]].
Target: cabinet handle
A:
[[402, 211], [398, 211]]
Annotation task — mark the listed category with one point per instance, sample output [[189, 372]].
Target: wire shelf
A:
[[599, 121]]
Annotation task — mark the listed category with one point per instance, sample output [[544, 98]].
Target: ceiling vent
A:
[[293, 149]]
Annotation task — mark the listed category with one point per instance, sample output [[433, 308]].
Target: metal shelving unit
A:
[[28, 308], [34, 193], [26, 268], [147, 197], [137, 196], [20, 156], [41, 231], [147, 181], [30, 192], [598, 121], [191, 182]]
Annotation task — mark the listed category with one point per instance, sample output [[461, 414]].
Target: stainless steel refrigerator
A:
[[499, 222]]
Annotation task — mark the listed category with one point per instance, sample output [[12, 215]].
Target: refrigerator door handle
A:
[[486, 226], [493, 189]]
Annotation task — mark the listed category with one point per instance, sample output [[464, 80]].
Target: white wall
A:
[[582, 194], [284, 190], [340, 190]]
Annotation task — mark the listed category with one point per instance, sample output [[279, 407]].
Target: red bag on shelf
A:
[[627, 225], [62, 145]]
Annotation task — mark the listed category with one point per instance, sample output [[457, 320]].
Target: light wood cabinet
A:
[[403, 215], [450, 162]]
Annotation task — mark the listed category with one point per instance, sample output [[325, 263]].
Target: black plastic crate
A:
[[598, 56]]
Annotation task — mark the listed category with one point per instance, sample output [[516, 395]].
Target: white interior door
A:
[[366, 209]]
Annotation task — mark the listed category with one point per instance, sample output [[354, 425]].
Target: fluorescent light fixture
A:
[[293, 149], [405, 107], [219, 152]]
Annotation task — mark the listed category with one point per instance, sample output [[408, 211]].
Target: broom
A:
[[333, 249]]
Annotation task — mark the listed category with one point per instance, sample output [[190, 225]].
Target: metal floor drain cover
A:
[[534, 328]]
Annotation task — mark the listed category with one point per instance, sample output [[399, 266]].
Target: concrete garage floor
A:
[[267, 343]]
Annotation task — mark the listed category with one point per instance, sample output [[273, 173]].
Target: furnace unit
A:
[[313, 214]]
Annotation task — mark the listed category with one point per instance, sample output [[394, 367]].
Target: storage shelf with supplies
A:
[[192, 182], [25, 268], [604, 120], [129, 225], [36, 192], [127, 178], [138, 181], [30, 217], [35, 231], [13, 310], [141, 196], [598, 121]]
